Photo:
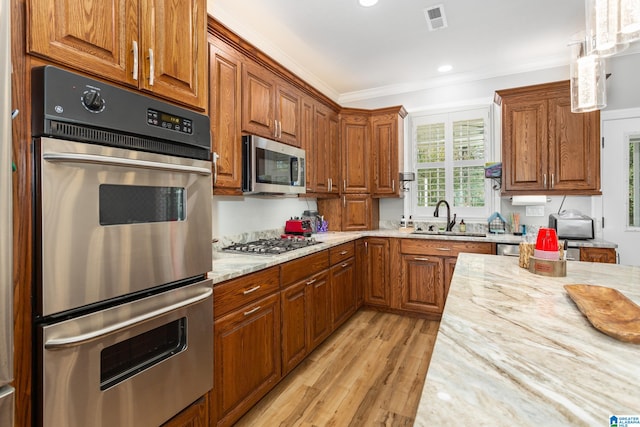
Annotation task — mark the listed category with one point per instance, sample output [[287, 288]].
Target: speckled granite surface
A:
[[514, 350]]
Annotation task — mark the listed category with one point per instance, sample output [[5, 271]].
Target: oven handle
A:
[[77, 340], [117, 161]]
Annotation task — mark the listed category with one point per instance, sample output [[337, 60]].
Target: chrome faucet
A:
[[450, 223]]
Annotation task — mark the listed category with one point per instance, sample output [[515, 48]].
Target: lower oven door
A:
[[115, 221], [137, 364]]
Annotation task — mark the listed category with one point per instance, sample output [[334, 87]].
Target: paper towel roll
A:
[[528, 200]]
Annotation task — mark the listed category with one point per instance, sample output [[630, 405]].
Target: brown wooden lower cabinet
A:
[[376, 279], [195, 415], [319, 293], [246, 357], [343, 292], [606, 255], [422, 288]]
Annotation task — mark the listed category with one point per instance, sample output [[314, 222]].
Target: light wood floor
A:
[[370, 372]]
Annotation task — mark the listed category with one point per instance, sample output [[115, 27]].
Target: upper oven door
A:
[[115, 221]]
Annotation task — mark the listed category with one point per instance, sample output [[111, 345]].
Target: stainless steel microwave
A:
[[270, 167]]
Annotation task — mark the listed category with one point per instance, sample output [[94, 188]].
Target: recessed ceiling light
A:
[[367, 3], [445, 68]]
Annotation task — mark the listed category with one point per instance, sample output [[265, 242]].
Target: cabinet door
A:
[[325, 154], [174, 50], [355, 153], [93, 36], [449, 267], [377, 287], [525, 144], [225, 76], [422, 284], [360, 212], [258, 101], [196, 415], [385, 152], [333, 154], [295, 318], [574, 155], [308, 142], [319, 309], [288, 114], [343, 296], [606, 255], [246, 357]]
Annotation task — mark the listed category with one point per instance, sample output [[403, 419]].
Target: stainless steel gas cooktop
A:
[[274, 246]]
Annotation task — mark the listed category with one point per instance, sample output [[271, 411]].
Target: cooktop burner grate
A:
[[274, 246]]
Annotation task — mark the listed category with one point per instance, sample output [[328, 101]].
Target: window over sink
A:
[[449, 150]]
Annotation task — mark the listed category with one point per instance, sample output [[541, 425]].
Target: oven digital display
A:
[[169, 121]]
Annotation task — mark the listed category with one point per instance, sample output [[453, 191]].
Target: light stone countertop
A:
[[514, 350], [228, 266]]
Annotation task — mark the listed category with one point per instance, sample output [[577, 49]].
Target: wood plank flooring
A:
[[370, 372]]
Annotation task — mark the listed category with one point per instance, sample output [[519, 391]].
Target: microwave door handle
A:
[[293, 170], [117, 161], [77, 340]]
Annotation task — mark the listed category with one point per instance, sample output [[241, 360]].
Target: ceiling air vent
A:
[[435, 17]]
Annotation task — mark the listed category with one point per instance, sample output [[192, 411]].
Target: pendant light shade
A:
[[587, 80], [629, 24], [603, 23]]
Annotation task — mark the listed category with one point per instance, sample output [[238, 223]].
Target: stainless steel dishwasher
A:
[[512, 249]]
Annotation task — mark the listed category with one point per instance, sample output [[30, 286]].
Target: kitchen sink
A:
[[449, 233]]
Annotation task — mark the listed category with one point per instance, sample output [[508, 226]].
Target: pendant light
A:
[[629, 24], [602, 19], [587, 80]]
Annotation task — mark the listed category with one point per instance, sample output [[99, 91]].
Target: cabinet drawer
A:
[[342, 252], [300, 268], [444, 247], [235, 293]]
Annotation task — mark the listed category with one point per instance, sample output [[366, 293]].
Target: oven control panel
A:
[[169, 121]]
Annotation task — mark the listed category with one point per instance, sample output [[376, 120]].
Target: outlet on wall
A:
[[534, 211]]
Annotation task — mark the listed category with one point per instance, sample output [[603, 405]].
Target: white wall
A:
[[237, 215]]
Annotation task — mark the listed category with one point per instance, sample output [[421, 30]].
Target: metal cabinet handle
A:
[[152, 67], [275, 128], [344, 252], [330, 182], [346, 264], [215, 158], [544, 184], [421, 259], [253, 310], [344, 184], [393, 185], [444, 249], [118, 161], [248, 291], [312, 281], [77, 340], [344, 201], [553, 180], [135, 60]]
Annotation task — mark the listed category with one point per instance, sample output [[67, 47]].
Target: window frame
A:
[[417, 118]]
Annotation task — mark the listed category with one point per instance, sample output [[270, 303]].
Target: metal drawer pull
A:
[[344, 252], [253, 310], [152, 67], [74, 341], [119, 161], [444, 249], [248, 291], [344, 265], [135, 60], [421, 259], [312, 281]]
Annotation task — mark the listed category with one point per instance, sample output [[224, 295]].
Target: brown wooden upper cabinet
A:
[[271, 108], [324, 156], [545, 147], [225, 100], [158, 46], [387, 158], [355, 151]]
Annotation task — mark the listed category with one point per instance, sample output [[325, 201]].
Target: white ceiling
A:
[[346, 50]]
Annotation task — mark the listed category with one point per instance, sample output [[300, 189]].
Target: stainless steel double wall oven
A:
[[123, 308]]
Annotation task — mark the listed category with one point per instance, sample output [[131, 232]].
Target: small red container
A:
[[547, 240]]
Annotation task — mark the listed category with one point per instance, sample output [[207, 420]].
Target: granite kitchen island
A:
[[514, 350]]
